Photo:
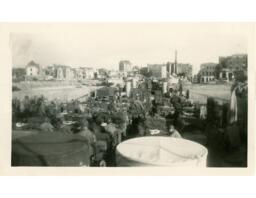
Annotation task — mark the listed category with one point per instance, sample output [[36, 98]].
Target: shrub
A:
[[15, 88]]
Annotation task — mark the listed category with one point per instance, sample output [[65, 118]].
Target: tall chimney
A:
[[175, 64]]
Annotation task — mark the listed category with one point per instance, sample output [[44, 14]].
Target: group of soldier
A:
[[104, 130]]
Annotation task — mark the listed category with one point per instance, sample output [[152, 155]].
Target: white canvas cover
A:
[[161, 151]]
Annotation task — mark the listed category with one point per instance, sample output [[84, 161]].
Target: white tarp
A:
[[161, 151], [173, 80]]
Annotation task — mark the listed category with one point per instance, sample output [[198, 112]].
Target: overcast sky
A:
[[104, 45]]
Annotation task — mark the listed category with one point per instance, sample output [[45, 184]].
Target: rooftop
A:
[[32, 63]]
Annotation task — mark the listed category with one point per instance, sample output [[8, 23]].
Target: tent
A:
[[161, 151]]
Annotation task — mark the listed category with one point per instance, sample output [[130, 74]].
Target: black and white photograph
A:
[[130, 95]]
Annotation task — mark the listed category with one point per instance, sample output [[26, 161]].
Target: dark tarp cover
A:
[[50, 149], [106, 91]]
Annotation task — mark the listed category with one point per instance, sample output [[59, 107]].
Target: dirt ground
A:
[[199, 92], [66, 93]]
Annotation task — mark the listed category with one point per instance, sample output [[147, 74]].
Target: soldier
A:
[[173, 132], [42, 108], [112, 106], [187, 94], [88, 134], [180, 87], [81, 128], [176, 102], [113, 131], [121, 121], [137, 114], [154, 107]]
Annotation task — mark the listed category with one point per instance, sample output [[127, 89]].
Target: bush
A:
[[240, 76], [15, 88]]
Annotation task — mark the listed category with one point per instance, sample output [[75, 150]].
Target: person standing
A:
[[170, 118], [137, 114], [180, 87], [203, 112], [154, 107], [176, 102], [187, 94], [112, 106], [173, 132], [121, 121], [113, 131], [170, 92], [81, 128]]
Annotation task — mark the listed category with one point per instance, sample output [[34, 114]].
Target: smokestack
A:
[[175, 64]]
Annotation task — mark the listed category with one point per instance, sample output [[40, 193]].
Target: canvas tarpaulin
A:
[[106, 91], [161, 151], [50, 149]]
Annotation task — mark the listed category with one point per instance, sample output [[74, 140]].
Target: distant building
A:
[[125, 66], [87, 73], [230, 65], [50, 72], [226, 74], [207, 72], [195, 79], [171, 68], [33, 69], [62, 72], [208, 66], [174, 69], [184, 69], [79, 74], [67, 73], [234, 62], [158, 70], [73, 74], [101, 73]]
